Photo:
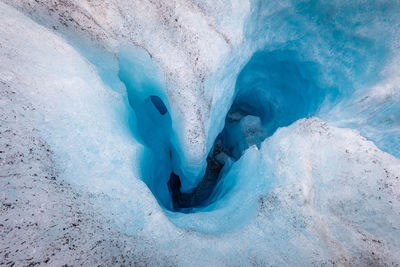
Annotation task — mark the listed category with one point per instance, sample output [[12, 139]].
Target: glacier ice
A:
[[231, 108]]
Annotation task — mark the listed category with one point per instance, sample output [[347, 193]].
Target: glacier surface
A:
[[200, 132]]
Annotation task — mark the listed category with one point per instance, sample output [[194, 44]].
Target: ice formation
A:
[[200, 132]]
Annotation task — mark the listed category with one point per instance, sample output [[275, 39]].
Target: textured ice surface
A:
[[86, 151]]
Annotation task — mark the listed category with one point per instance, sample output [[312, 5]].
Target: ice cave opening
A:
[[158, 104], [274, 89]]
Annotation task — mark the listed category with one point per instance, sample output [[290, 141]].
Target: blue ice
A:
[[304, 64]]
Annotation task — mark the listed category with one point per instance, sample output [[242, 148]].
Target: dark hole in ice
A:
[[159, 104], [184, 201]]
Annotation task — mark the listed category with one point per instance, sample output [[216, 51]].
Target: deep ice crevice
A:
[[266, 97], [308, 194]]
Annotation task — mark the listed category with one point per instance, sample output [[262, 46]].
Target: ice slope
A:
[[311, 194], [187, 40], [69, 107], [374, 111]]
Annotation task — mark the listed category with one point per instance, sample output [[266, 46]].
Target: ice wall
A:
[[354, 50], [70, 106]]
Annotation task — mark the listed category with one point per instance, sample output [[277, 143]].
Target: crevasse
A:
[[307, 59]]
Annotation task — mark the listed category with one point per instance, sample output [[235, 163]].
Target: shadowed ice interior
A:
[[274, 89]]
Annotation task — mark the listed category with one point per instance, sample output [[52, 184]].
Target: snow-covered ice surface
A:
[[85, 157]]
